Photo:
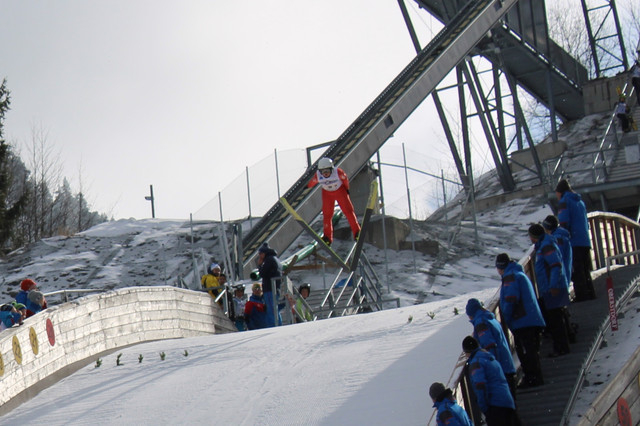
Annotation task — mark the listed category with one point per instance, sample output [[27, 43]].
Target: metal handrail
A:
[[597, 342], [526, 261], [67, 292], [600, 151]]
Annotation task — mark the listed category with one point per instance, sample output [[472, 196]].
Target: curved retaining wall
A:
[[52, 341]]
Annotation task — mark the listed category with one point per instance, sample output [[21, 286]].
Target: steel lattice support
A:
[[605, 36]]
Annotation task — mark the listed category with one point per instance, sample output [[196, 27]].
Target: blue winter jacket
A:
[[253, 316], [518, 304], [21, 297], [572, 215], [488, 332], [488, 381], [563, 240], [450, 413], [9, 319], [550, 273]]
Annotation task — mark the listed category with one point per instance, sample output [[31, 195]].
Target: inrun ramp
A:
[[380, 120]]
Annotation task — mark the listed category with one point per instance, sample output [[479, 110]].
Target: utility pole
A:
[[150, 198]]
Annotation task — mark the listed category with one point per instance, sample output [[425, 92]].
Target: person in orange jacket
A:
[[335, 187]]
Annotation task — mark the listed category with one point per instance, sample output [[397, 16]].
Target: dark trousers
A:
[[581, 276], [527, 341], [501, 416], [624, 122], [558, 329], [636, 85]]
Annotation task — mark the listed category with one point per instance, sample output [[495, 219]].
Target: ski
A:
[[313, 234], [371, 205]]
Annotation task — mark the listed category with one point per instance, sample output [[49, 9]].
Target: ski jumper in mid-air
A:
[[335, 187]]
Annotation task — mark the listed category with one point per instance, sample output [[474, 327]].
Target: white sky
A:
[[193, 91]]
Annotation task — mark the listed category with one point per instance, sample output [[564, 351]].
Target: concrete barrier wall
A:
[[63, 335]]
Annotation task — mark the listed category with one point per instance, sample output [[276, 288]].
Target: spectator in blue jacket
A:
[[9, 316], [572, 215], [270, 270], [36, 302], [488, 332], [563, 240], [449, 412], [25, 287], [553, 287], [521, 313], [489, 385]]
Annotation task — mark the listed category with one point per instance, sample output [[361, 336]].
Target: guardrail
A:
[[599, 163], [613, 236]]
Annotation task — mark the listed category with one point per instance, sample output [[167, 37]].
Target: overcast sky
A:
[[184, 94]]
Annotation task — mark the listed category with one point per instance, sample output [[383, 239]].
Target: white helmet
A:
[[325, 163]]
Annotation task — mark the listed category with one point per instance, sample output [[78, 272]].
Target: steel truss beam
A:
[[603, 25]]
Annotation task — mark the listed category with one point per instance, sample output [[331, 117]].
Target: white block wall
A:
[[93, 324]]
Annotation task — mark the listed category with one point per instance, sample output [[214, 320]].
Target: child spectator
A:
[[299, 309], [35, 302], [239, 302], [25, 287], [255, 311], [9, 317]]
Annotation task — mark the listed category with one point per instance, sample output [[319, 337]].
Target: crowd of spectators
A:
[[562, 247]]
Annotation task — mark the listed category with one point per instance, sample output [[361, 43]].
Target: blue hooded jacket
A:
[[488, 332], [488, 381], [450, 413], [572, 215], [9, 319], [518, 304], [550, 273], [563, 240]]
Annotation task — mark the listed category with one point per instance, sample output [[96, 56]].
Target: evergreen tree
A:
[[10, 210]]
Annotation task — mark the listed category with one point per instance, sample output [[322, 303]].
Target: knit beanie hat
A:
[[563, 186], [18, 306], [536, 231], [550, 223], [264, 248], [36, 296], [27, 284], [473, 306], [469, 344], [436, 390], [502, 261]]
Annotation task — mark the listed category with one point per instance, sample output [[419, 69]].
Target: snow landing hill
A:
[[365, 369]]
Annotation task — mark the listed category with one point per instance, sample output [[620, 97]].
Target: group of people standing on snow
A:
[[28, 302], [263, 308], [562, 247]]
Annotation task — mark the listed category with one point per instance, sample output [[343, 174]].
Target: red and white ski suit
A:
[[335, 188]]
